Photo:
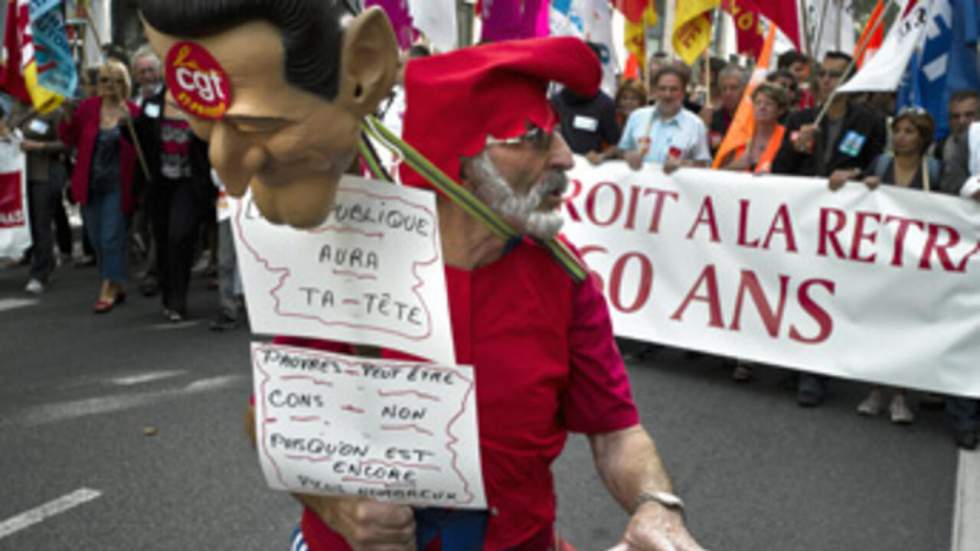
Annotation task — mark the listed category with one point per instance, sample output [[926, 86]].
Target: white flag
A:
[[437, 19], [831, 25], [590, 20], [883, 72]]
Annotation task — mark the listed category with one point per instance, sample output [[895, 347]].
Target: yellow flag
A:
[[692, 28], [43, 100]]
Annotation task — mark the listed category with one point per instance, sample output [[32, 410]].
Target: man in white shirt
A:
[[666, 133]]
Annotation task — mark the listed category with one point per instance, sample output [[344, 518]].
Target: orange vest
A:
[[764, 164]]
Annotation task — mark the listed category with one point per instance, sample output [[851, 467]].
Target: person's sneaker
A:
[[900, 412], [872, 405], [966, 439], [85, 261], [223, 322], [34, 286]]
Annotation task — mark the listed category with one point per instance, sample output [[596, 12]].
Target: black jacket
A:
[[148, 131], [861, 125]]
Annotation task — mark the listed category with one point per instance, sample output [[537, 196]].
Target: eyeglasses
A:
[[108, 80], [536, 137], [832, 74]]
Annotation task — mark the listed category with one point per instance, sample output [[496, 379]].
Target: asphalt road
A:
[[138, 422]]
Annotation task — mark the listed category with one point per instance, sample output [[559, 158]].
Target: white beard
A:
[[520, 211]]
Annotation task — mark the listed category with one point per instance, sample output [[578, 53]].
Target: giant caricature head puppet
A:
[[278, 88]]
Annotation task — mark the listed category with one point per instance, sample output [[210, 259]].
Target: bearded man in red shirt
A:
[[541, 342]]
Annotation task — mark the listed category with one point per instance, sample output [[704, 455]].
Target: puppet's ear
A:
[[369, 61]]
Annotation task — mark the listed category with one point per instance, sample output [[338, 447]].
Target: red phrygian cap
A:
[[454, 101]]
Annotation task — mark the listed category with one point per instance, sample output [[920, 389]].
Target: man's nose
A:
[[560, 155], [235, 157]]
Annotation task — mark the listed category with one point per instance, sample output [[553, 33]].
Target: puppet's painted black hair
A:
[[311, 31]]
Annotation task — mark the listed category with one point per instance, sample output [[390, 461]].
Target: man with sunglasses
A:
[[849, 137], [540, 342]]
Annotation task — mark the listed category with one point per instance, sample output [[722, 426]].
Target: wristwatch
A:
[[667, 499]]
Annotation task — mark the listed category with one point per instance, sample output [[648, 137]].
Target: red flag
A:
[[748, 30], [11, 77], [785, 16], [632, 9], [632, 69], [872, 36]]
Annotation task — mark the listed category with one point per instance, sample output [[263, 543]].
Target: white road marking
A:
[[52, 413], [148, 377], [14, 303], [49, 509], [966, 514]]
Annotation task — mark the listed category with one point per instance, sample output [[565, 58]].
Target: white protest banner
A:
[[15, 229], [881, 286], [394, 431], [372, 273]]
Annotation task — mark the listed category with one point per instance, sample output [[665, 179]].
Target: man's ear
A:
[[369, 61]]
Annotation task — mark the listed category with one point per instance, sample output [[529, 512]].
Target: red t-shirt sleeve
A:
[[598, 398]]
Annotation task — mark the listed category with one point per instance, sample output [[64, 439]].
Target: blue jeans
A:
[[456, 529], [106, 227]]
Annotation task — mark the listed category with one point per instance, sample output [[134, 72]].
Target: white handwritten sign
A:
[[394, 431], [371, 274]]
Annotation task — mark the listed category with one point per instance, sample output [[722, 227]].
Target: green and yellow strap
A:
[[456, 193]]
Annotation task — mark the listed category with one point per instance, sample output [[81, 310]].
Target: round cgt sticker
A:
[[197, 81]]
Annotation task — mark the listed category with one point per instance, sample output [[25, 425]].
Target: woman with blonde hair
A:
[[102, 179]]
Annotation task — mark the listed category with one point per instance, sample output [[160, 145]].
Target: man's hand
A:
[[805, 138], [31, 146], [653, 527], [840, 177], [672, 164], [595, 157], [366, 525], [634, 159], [872, 182]]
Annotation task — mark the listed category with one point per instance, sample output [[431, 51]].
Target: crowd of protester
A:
[[142, 183], [146, 189], [861, 137]]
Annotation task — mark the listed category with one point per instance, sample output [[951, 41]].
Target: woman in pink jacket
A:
[[103, 175]]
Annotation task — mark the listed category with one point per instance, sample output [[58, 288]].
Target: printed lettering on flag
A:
[[692, 28]]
